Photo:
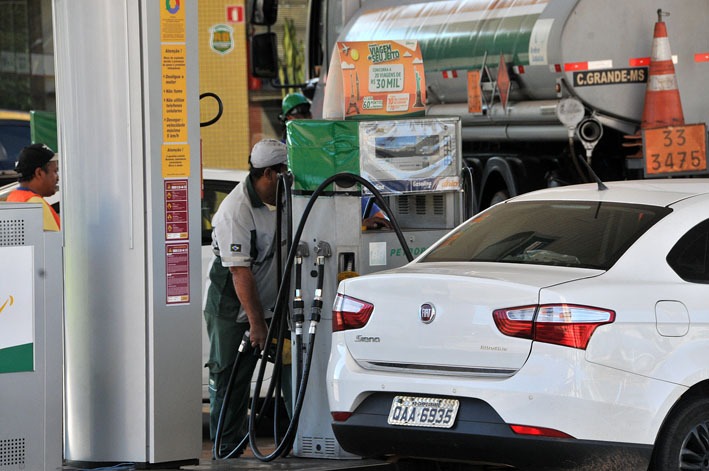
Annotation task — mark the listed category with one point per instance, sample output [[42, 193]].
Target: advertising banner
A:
[[380, 79], [17, 309], [411, 156]]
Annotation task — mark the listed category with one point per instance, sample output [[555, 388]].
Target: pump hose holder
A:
[[220, 109]]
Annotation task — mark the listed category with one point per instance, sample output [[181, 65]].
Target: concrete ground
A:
[[247, 461]]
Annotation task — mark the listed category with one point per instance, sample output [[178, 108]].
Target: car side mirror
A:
[[264, 56], [264, 12]]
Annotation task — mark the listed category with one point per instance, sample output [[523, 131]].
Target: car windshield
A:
[[566, 233]]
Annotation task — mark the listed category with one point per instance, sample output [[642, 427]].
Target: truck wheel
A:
[[499, 196], [684, 441]]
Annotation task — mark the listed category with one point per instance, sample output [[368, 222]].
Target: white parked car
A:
[[566, 328]]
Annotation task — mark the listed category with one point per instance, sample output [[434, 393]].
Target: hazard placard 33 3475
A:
[[675, 150]]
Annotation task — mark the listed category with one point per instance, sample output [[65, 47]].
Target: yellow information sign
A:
[[172, 21], [175, 160], [675, 150], [175, 151], [382, 78], [174, 93]]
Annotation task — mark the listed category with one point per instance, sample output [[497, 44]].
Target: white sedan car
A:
[[566, 328]]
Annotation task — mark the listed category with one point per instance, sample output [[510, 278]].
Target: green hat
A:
[[294, 102]]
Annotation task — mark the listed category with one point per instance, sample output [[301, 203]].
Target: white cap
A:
[[268, 152]]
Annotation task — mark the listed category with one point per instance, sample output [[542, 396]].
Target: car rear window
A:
[[566, 233]]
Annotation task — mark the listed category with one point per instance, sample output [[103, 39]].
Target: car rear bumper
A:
[[557, 389], [478, 435]]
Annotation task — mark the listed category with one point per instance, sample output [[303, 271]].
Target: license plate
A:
[[423, 411]]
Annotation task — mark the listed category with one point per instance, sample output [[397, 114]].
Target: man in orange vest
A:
[[38, 167]]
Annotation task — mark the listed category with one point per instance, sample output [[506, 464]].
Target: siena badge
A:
[[427, 313]]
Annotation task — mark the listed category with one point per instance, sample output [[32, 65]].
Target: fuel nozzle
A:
[[246, 347], [316, 312], [245, 344], [298, 304]]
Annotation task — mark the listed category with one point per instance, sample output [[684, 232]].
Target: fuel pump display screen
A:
[[411, 156], [405, 146], [416, 151]]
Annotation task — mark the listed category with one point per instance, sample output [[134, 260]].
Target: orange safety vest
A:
[[51, 218]]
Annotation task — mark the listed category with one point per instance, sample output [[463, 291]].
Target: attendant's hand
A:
[[258, 332], [376, 222]]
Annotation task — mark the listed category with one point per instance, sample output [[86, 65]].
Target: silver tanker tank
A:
[[598, 50]]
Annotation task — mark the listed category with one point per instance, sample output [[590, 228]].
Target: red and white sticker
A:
[[645, 61], [588, 65], [235, 13]]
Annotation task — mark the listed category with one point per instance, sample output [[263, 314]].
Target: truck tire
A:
[[684, 440], [499, 196]]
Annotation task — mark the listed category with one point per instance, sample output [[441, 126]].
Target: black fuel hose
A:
[[344, 179]]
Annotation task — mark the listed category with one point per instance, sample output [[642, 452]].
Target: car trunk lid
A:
[[437, 318]]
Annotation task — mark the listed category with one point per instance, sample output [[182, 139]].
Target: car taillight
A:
[[516, 321], [340, 416], [350, 313], [560, 324], [539, 431]]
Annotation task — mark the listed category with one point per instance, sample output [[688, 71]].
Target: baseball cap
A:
[[32, 157], [267, 153]]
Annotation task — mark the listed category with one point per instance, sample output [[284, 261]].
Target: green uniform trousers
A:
[[226, 334]]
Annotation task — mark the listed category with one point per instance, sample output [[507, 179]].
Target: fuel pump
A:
[[415, 166], [31, 324]]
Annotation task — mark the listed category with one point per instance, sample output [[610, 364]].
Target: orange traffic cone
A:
[[662, 102]]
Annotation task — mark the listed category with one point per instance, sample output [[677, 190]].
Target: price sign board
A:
[[675, 150]]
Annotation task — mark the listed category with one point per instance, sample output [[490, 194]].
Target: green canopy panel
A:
[[318, 149], [43, 128]]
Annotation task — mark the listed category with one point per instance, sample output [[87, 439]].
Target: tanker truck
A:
[[595, 51]]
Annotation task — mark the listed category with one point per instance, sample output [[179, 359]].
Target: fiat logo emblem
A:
[[427, 313]]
